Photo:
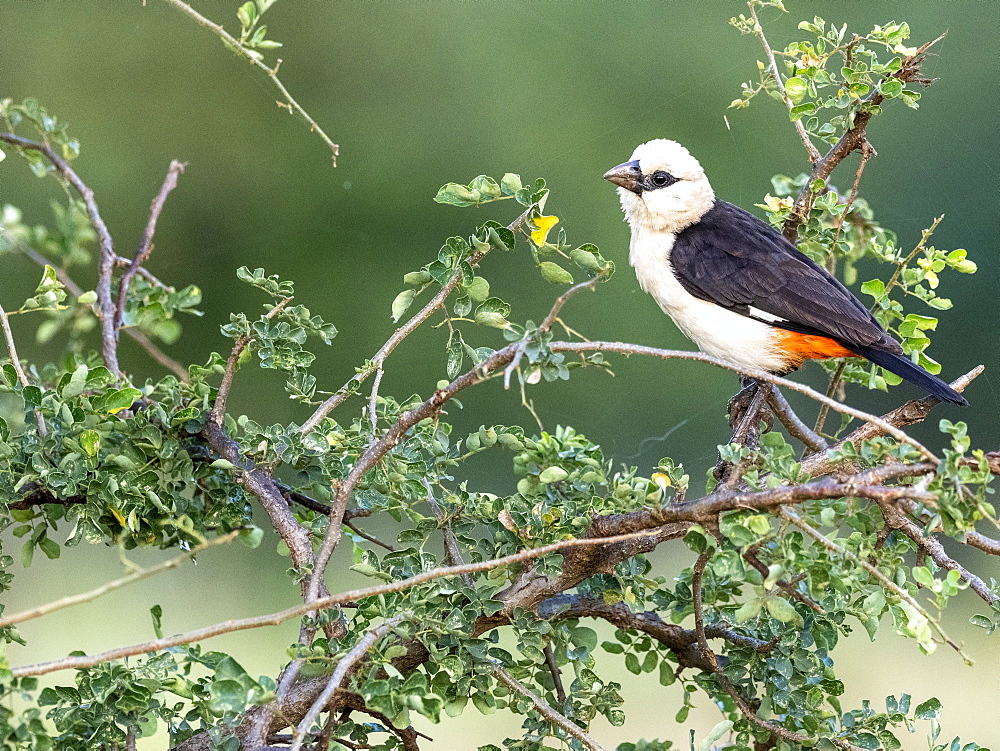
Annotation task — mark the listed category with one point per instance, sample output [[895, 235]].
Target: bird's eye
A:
[[661, 179]]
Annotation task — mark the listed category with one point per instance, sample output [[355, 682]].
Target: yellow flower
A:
[[542, 226], [661, 480]]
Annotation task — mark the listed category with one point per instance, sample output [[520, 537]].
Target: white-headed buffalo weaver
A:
[[734, 285]]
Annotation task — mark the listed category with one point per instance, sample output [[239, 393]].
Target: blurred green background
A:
[[421, 93]]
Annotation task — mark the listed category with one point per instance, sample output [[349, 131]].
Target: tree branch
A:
[[146, 244], [545, 709], [234, 45], [106, 265], [913, 411], [851, 140], [137, 575], [346, 663]]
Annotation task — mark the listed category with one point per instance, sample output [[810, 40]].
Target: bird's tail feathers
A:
[[908, 371]]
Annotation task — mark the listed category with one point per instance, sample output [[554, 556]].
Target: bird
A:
[[736, 286]]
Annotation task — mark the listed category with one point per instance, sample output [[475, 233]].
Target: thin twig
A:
[[219, 408], [811, 150], [545, 709], [896, 519], [105, 267], [344, 665], [146, 244], [550, 660], [792, 422], [323, 603], [397, 337], [16, 362], [886, 582], [867, 152], [452, 552], [374, 540], [760, 375], [111, 586], [552, 317], [234, 44]]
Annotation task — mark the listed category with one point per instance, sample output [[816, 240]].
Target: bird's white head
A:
[[662, 188]]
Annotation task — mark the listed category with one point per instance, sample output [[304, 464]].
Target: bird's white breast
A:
[[716, 331]]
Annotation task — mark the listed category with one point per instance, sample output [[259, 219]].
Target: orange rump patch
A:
[[800, 347]]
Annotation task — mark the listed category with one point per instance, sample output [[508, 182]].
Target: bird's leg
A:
[[746, 410]]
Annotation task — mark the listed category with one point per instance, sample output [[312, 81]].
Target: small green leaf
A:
[[928, 710], [552, 474], [510, 184], [90, 441], [799, 111], [157, 614], [554, 273], [454, 194], [781, 610], [796, 87], [222, 464], [891, 88], [401, 303], [77, 382]]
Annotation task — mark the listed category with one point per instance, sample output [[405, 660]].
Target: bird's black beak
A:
[[627, 175]]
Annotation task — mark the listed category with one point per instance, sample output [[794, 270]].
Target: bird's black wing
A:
[[733, 259]]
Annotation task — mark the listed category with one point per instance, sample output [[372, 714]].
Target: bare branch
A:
[[146, 244], [105, 304], [111, 586], [550, 661], [545, 709], [346, 663], [792, 422], [234, 45], [896, 519], [760, 375]]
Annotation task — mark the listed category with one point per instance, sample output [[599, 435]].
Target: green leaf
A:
[[891, 88], [90, 441], [552, 474], [116, 400], [875, 288], [157, 614], [799, 111], [781, 610], [632, 663], [403, 301], [510, 184], [77, 383], [796, 87], [748, 610], [222, 464], [714, 735], [478, 289], [554, 273], [667, 675], [456, 354], [928, 710], [454, 194]]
